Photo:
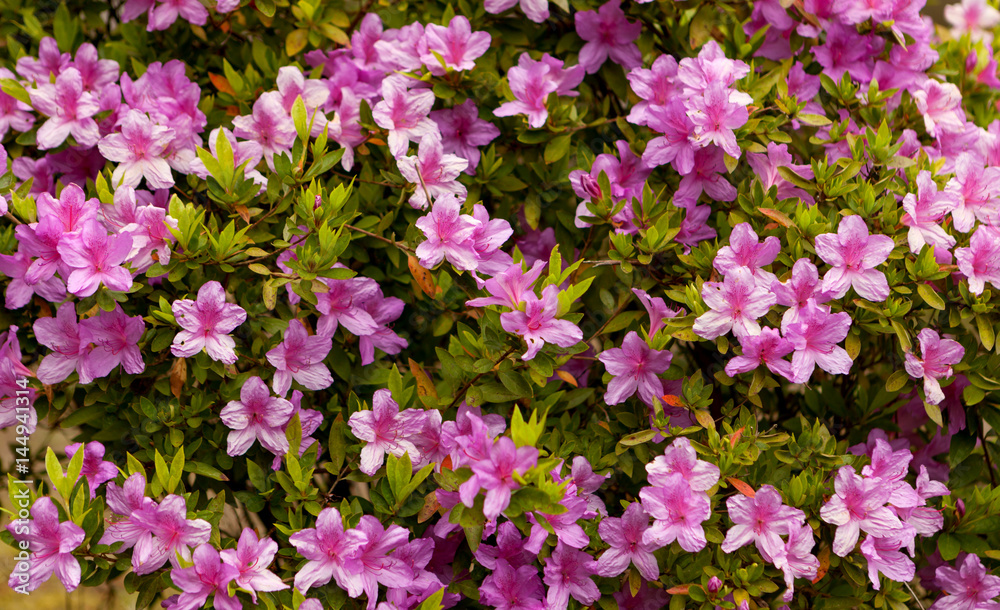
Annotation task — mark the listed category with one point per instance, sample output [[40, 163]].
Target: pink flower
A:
[[676, 146], [342, 304], [716, 114], [538, 324], [376, 563], [385, 430], [532, 81], [744, 251], [383, 311], [165, 13], [208, 575], [463, 132], [656, 86], [608, 33], [496, 474], [762, 519], [115, 337], [938, 356], [681, 458], [270, 126], [854, 254], [635, 367], [858, 505], [487, 239], [404, 112], [510, 287], [568, 572], [624, 536], [51, 544], [300, 356], [980, 262], [678, 513], [971, 587], [657, 310], [924, 212], [206, 323], [799, 291], [433, 172], [766, 167], [883, 555], [705, 176], [139, 150], [49, 62], [457, 45], [767, 348], [815, 338], [535, 10], [449, 234], [975, 192], [167, 533], [292, 84], [332, 552], [795, 558], [941, 105], [14, 114], [123, 502], [974, 17], [70, 108], [735, 304], [96, 259], [251, 558], [62, 335], [507, 588], [19, 291], [256, 416]]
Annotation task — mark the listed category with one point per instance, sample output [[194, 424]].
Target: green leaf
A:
[[949, 546], [300, 118], [434, 602], [815, 120], [15, 89], [54, 470], [176, 469], [934, 412], [266, 7], [986, 335], [896, 381], [205, 470], [930, 297], [557, 148], [400, 471]]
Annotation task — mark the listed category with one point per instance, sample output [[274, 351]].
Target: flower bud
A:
[[714, 584]]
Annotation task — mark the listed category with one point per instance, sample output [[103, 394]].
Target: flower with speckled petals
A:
[[608, 34], [635, 366], [386, 430], [735, 305], [853, 255], [256, 416], [300, 356], [139, 149]]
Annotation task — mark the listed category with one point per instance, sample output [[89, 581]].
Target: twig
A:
[[986, 452], [398, 244]]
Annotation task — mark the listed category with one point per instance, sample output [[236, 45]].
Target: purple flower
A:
[[70, 108], [975, 192], [509, 548], [256, 416], [767, 348], [624, 536], [657, 310], [52, 544], [433, 172], [795, 558], [332, 552], [208, 575], [676, 146], [487, 239], [735, 304], [766, 165], [532, 81], [496, 474], [342, 304], [139, 149], [62, 335], [115, 337], [251, 558], [815, 338], [463, 132], [655, 85], [385, 430], [19, 291], [568, 572], [635, 367], [383, 310], [608, 33], [269, 125], [448, 234], [678, 513], [924, 211], [206, 323], [14, 114], [300, 356], [941, 105], [457, 45], [883, 555], [938, 356], [96, 259], [95, 468], [404, 112], [507, 588], [762, 519], [167, 533], [124, 502], [745, 251], [971, 587], [799, 291], [854, 254], [858, 505], [538, 323]]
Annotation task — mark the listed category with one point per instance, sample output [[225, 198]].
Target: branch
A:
[[398, 244]]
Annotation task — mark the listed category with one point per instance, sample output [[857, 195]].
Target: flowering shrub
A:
[[513, 305]]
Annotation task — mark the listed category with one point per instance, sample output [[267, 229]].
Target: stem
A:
[[398, 244], [986, 452]]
